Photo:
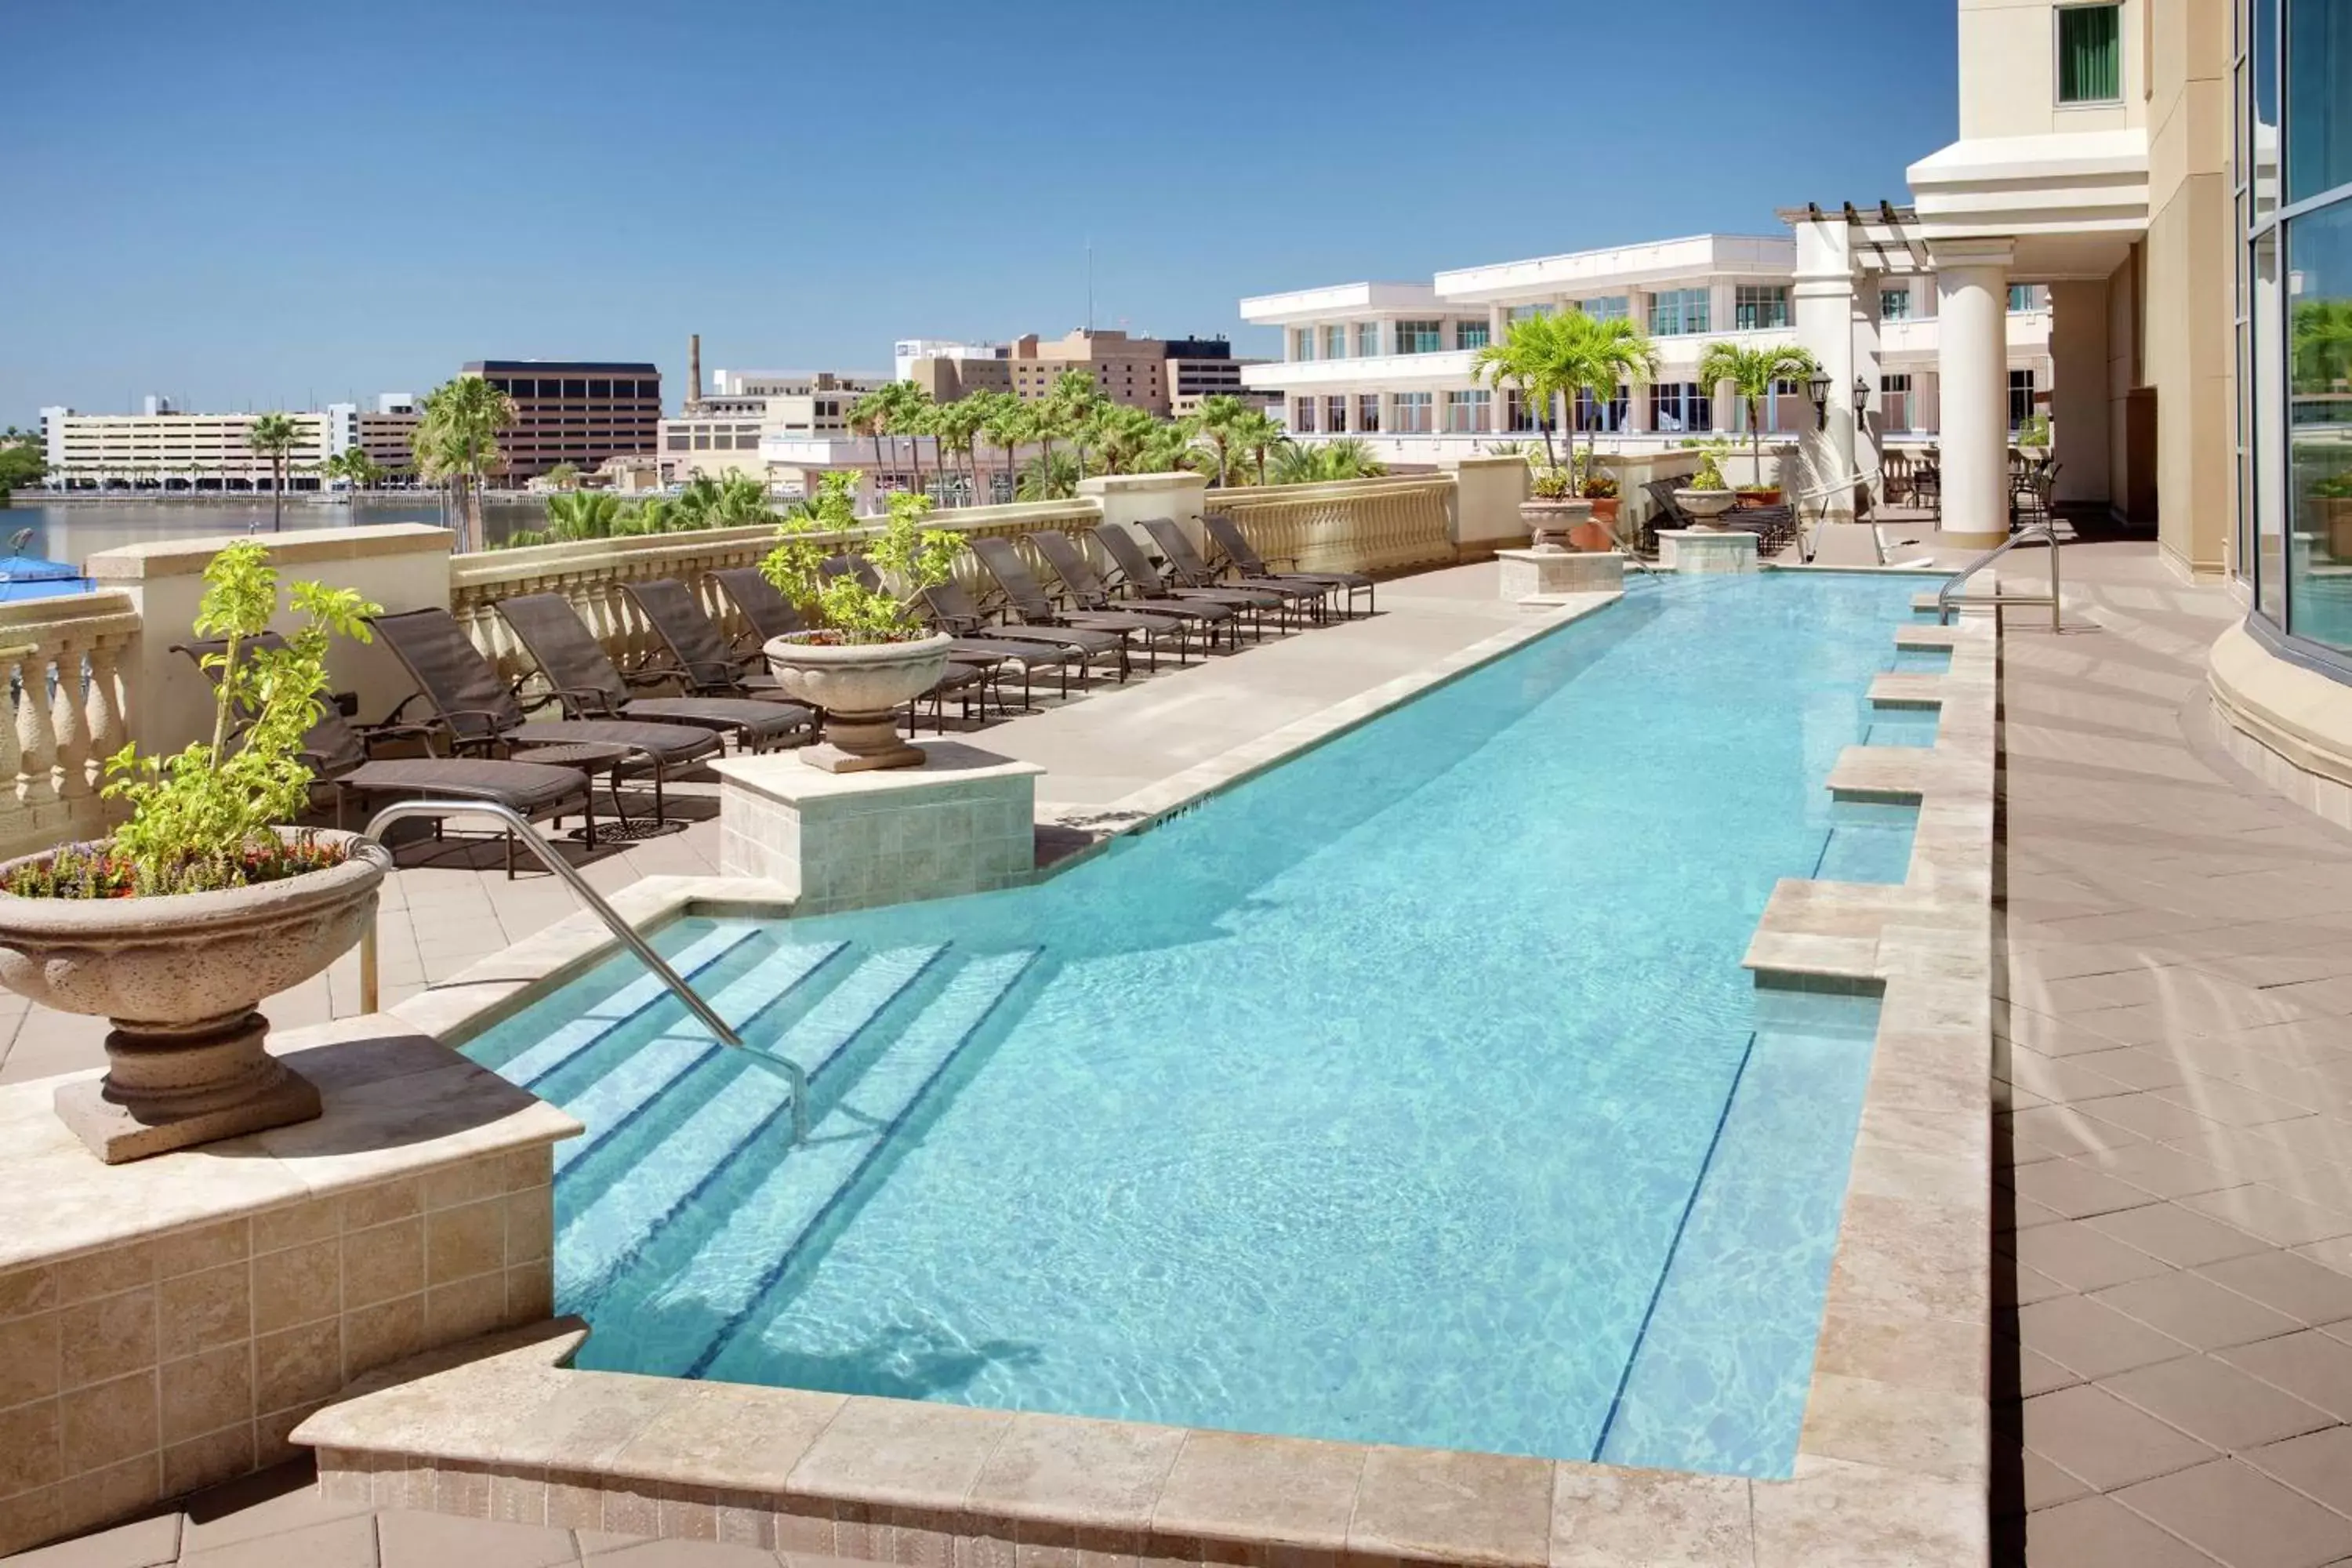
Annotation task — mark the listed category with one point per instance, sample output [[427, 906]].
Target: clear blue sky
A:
[[263, 204]]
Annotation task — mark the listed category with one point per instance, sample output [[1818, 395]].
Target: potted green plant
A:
[[1553, 511], [865, 655], [1704, 496], [203, 902]]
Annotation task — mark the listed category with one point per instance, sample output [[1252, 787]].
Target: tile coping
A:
[[1893, 1459]]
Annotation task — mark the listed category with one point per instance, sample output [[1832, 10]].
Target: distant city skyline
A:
[[234, 212]]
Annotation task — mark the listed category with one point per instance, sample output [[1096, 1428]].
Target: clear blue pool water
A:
[[1411, 1092]]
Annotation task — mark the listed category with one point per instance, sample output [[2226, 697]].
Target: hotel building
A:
[[166, 451], [1392, 363], [575, 411]]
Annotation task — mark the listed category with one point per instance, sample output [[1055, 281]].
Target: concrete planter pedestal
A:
[[1706, 550], [960, 821], [1528, 574]]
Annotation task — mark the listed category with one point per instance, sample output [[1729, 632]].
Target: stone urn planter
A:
[[1550, 522], [180, 977], [859, 688], [1707, 507]]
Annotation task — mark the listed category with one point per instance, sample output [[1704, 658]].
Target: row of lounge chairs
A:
[[1775, 527], [481, 744]]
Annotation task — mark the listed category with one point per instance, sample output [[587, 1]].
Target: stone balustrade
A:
[[1353, 525], [69, 664]]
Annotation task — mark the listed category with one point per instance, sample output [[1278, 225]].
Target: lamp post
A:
[[1819, 386]]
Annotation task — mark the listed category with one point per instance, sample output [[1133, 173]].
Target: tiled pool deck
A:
[[2174, 1024]]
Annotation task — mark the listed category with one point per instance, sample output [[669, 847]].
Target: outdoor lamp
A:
[[1820, 387], [1860, 394]]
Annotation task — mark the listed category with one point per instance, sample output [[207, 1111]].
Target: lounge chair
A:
[[475, 712], [590, 685], [1029, 600], [1088, 592], [771, 615], [1138, 571], [953, 610], [1775, 527], [1243, 558], [335, 750], [1185, 564]]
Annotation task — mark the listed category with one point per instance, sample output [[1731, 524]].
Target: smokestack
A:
[[693, 372]]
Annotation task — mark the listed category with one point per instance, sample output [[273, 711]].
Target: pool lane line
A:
[[1632, 1356]]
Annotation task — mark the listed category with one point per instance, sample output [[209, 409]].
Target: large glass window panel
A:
[[1607, 307], [1758, 307], [1419, 337], [1368, 412], [1368, 338], [2318, 97], [1413, 413], [2318, 300], [1335, 413], [1302, 417], [1894, 304], [2262, 63], [1469, 334], [2090, 54], [1335, 341], [1302, 343], [1675, 312]]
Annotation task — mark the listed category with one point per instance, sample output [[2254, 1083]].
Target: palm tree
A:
[[456, 442], [274, 436], [957, 426], [563, 476], [1050, 476], [870, 416], [1006, 420], [1600, 356], [1751, 372], [2322, 344], [1348, 459], [1257, 437], [583, 514], [1529, 356], [1072, 405], [912, 411], [1123, 435], [1215, 423]]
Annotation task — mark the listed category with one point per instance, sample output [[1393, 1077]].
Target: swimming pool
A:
[[1411, 1092]]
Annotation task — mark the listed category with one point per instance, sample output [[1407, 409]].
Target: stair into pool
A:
[[685, 1200]]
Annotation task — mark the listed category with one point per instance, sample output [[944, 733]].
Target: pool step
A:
[[700, 1284], [542, 1056], [630, 1084], [717, 1105]]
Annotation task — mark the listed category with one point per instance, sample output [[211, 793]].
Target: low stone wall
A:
[[68, 667], [2288, 726], [166, 1324], [1379, 526]]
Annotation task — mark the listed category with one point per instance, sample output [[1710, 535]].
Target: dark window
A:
[[2020, 397], [2090, 54], [550, 389], [575, 387], [600, 389]]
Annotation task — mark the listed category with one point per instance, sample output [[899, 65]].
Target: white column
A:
[[1866, 363], [1972, 366], [1823, 301]]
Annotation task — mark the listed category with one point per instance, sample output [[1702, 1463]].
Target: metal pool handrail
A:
[[2046, 533], [790, 1071]]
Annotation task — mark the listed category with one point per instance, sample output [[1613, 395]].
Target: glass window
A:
[[1368, 340], [1756, 307], [1303, 418], [1681, 406], [2268, 464], [1419, 337], [1616, 414], [575, 387], [1894, 304], [546, 388], [1894, 397], [2319, 416], [1335, 341], [1465, 412], [1527, 313], [2090, 54], [2020, 298], [600, 389], [1519, 413], [1413, 413], [1469, 334], [1302, 343], [1335, 413], [2020, 397], [2318, 107], [1368, 412], [1675, 311], [1608, 307]]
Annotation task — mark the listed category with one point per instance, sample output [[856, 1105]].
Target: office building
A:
[[575, 411], [722, 432]]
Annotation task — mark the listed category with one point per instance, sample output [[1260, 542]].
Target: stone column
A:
[[1972, 366], [1823, 301]]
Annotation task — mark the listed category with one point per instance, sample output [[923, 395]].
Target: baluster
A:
[[71, 728], [37, 747], [107, 728], [16, 828]]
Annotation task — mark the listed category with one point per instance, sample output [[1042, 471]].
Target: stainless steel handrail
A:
[[1871, 480], [790, 1071], [2045, 533]]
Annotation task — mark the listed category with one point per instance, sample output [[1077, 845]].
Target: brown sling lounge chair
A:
[[1029, 600], [590, 685], [335, 750], [475, 711], [1242, 557], [953, 610], [1088, 592], [1136, 571], [1185, 564]]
